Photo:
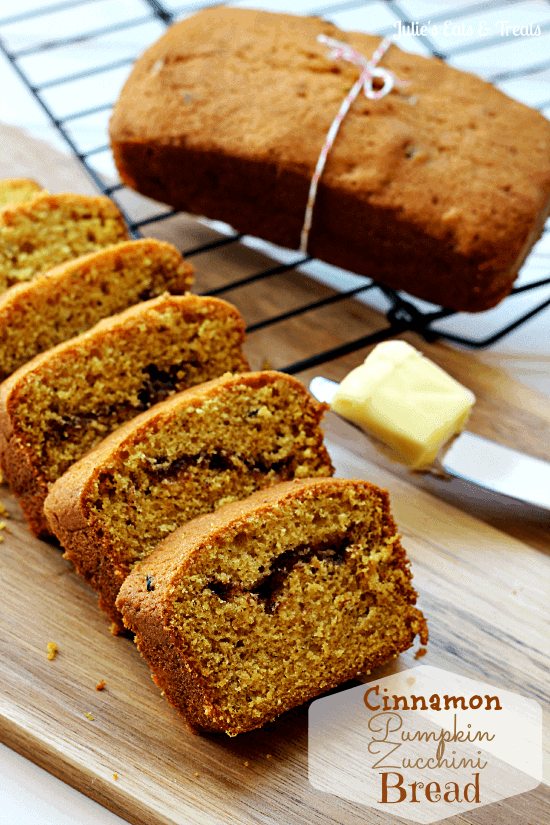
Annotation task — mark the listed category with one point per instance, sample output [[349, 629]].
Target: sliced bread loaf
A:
[[209, 445], [66, 400]]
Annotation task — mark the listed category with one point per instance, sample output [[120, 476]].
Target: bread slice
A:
[[249, 611], [70, 298], [49, 229], [209, 445], [17, 190], [66, 400]]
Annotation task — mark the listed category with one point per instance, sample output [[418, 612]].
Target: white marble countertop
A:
[[28, 795]]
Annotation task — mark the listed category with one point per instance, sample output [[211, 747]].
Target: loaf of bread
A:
[[252, 610], [70, 298], [186, 456], [17, 190], [49, 229], [63, 402], [440, 188]]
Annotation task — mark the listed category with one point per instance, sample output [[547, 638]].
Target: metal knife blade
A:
[[480, 461]]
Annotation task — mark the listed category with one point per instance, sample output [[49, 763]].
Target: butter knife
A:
[[480, 461]]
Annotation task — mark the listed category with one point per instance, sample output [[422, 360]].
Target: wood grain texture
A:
[[484, 591]]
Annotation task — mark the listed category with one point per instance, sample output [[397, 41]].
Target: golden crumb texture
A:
[[40, 233], [439, 188], [247, 612], [52, 651], [17, 190], [61, 404], [188, 455], [70, 298]]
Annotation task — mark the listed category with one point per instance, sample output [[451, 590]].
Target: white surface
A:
[[28, 795]]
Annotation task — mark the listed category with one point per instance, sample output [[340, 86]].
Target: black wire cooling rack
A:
[[404, 313]]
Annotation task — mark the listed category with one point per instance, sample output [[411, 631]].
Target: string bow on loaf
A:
[[365, 81]]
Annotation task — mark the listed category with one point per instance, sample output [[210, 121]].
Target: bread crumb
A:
[[246, 764], [100, 685], [115, 776], [89, 716], [52, 650], [2, 525], [195, 774], [1, 539], [3, 511], [268, 756], [420, 652]]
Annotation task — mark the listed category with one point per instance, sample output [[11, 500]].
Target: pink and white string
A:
[[370, 71]]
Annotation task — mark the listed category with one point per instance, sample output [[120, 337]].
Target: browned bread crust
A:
[[440, 188], [70, 298], [49, 229], [341, 612], [63, 402], [216, 442]]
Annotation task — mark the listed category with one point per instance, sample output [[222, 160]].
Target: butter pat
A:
[[406, 402]]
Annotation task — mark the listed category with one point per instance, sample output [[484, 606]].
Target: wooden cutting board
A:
[[484, 592], [485, 597]]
